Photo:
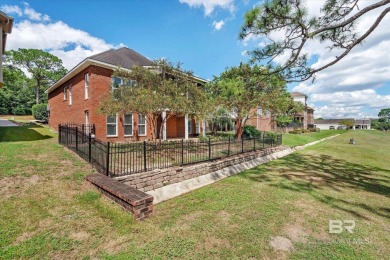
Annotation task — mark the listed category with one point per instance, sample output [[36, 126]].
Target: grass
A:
[[48, 211], [301, 139]]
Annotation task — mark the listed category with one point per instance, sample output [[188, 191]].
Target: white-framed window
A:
[[267, 113], [117, 82], [65, 92], [70, 95], [259, 111], [128, 124], [112, 125], [141, 124], [197, 128], [86, 85], [189, 126], [87, 121]]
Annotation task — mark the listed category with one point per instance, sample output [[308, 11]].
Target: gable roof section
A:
[[297, 94], [110, 59], [123, 57]]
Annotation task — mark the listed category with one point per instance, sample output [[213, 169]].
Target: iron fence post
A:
[[182, 152], [272, 141], [77, 145], [145, 168], [254, 143], [59, 133], [229, 147], [263, 142], [89, 148], [242, 144], [108, 159]]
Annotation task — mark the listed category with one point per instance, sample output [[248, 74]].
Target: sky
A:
[[203, 35]]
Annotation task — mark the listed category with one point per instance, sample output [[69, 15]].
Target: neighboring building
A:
[[305, 117], [329, 124], [263, 120], [6, 23], [75, 98]]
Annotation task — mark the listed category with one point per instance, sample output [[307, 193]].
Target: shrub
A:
[[18, 111], [4, 111], [250, 131], [39, 112]]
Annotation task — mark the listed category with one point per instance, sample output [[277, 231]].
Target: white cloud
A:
[[12, 9], [218, 25], [25, 10], [342, 112], [210, 5], [36, 31]]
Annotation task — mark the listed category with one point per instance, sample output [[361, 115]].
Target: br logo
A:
[[337, 226]]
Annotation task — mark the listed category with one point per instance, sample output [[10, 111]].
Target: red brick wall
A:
[[99, 86], [262, 123]]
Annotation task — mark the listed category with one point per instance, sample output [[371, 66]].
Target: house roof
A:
[[297, 94], [310, 108], [330, 121], [6, 23], [362, 121], [110, 59], [123, 57]]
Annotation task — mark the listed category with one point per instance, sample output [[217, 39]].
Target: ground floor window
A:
[[128, 124], [197, 128], [141, 124], [112, 125], [189, 126]]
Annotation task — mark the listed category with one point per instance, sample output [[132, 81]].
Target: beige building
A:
[[6, 23]]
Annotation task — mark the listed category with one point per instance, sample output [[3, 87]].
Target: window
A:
[[70, 95], [87, 122], [112, 123], [128, 124], [86, 85], [259, 111], [141, 124], [267, 113], [65, 90], [197, 129], [117, 82], [189, 126]]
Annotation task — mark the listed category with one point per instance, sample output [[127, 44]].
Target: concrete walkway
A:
[[5, 122], [177, 189]]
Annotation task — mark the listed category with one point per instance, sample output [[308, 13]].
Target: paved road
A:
[[4, 122]]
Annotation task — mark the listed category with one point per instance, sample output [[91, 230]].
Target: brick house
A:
[[6, 23], [263, 120], [76, 97]]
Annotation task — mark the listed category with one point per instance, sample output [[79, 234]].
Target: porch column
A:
[[164, 130], [186, 127], [203, 128]]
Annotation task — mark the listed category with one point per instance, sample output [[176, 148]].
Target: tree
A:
[[16, 96], [44, 67], [165, 87], [284, 108], [335, 26], [384, 114], [348, 123], [242, 89]]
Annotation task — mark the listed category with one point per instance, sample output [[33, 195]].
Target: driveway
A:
[[5, 122]]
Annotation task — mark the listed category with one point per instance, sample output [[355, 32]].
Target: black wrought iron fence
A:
[[118, 159]]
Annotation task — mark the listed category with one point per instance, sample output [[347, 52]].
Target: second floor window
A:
[[86, 85], [117, 82], [65, 92], [70, 95]]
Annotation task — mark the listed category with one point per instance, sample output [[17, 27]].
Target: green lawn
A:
[[48, 211], [301, 139]]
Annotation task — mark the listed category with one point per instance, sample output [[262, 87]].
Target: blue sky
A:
[[202, 34]]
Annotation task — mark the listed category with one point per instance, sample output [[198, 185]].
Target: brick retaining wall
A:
[[158, 178]]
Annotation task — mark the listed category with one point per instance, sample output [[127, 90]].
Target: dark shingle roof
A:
[[123, 57]]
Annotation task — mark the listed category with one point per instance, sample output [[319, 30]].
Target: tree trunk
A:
[[238, 129], [38, 94]]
